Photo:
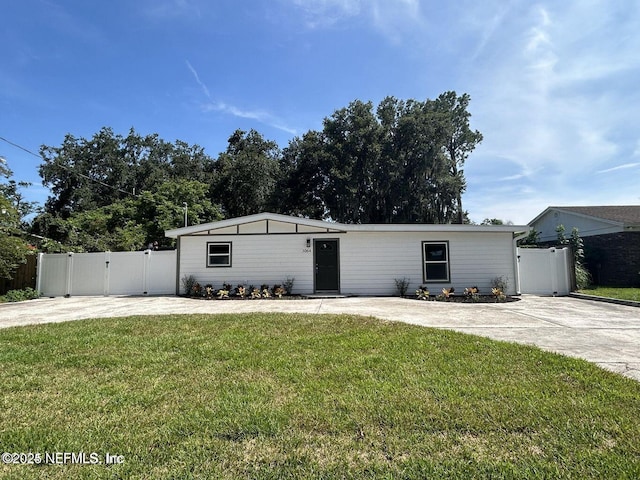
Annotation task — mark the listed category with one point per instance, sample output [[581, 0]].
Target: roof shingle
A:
[[629, 215]]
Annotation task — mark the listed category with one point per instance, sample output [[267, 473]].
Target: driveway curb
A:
[[617, 301]]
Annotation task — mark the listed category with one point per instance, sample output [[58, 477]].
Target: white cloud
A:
[[553, 92], [392, 18], [619, 167], [260, 116], [205, 90]]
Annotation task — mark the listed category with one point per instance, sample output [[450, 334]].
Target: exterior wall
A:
[[369, 261], [614, 259], [586, 226], [255, 259]]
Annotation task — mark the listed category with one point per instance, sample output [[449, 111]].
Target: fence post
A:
[[69, 274], [39, 272], [145, 271], [554, 270], [106, 288]]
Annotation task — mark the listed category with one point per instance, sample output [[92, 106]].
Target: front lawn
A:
[[301, 396], [621, 293]]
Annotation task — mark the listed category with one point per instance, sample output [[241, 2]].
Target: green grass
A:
[[272, 396], [614, 292]]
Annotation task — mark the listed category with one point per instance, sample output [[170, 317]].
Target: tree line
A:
[[401, 161]]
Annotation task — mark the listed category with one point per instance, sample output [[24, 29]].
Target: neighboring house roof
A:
[[320, 226], [622, 215]]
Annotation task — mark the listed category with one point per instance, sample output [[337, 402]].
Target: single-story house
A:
[[611, 236], [327, 257]]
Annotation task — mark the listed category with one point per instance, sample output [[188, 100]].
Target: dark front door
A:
[[326, 259]]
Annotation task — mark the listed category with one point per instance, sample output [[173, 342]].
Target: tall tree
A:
[[303, 180], [93, 177], [352, 143], [401, 163], [86, 174], [13, 248], [460, 140], [132, 223], [246, 174]]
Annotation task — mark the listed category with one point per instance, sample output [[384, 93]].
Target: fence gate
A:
[[107, 273], [545, 271]]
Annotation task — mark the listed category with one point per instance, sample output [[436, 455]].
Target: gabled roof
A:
[[264, 223], [623, 215]]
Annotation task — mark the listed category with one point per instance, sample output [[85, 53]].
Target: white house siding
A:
[[586, 226], [255, 259], [369, 261]]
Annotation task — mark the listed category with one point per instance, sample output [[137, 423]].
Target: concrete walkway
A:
[[602, 333]]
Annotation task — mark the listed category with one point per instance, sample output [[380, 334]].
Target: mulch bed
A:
[[465, 299]]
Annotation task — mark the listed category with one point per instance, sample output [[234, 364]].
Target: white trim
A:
[[331, 227]]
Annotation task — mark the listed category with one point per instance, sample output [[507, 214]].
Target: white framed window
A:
[[218, 254], [435, 256]]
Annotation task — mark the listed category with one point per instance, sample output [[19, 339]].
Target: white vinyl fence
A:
[[541, 272], [107, 273], [545, 271]]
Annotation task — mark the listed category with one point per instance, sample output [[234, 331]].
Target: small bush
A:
[[498, 294], [278, 291], [583, 277], [241, 291], [188, 282], [288, 284], [446, 295], [501, 283], [472, 293], [402, 285], [21, 295], [422, 293]]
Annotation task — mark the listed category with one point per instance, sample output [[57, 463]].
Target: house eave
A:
[[607, 221], [331, 227]]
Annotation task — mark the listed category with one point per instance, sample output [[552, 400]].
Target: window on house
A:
[[219, 254], [435, 257]]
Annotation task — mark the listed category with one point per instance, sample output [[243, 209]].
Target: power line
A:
[[67, 168]]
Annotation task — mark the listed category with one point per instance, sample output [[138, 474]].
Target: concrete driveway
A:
[[602, 333]]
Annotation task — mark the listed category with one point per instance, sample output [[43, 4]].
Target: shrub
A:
[[472, 293], [446, 294], [402, 285], [21, 295], [501, 283], [498, 294], [255, 292], [188, 282], [278, 291], [288, 284], [422, 293]]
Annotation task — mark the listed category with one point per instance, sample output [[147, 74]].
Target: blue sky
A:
[[553, 84]]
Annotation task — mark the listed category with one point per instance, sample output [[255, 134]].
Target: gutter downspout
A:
[[516, 259]]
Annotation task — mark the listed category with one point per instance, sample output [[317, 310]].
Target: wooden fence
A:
[[24, 276]]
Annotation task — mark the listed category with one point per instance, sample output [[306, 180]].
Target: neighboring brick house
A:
[[611, 236]]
